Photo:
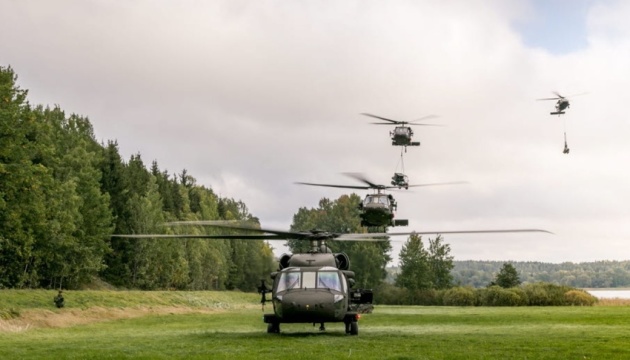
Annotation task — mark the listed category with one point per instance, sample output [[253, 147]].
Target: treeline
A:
[[62, 195], [599, 274], [536, 294]]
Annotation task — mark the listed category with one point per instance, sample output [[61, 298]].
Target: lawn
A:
[[210, 325]]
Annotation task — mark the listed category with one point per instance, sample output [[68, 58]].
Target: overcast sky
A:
[[252, 96]]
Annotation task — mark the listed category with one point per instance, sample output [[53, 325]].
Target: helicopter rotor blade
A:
[[574, 95], [362, 178], [418, 124], [198, 236], [427, 117], [558, 95], [382, 118], [271, 234], [499, 231], [242, 226], [442, 183], [556, 98], [335, 186]]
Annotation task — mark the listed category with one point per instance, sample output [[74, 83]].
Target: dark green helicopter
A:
[[313, 287], [402, 134], [378, 209]]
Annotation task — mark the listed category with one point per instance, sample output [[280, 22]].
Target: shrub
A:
[[459, 296], [498, 296], [546, 294], [579, 298]]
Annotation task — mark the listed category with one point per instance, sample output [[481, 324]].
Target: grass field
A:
[[222, 325]]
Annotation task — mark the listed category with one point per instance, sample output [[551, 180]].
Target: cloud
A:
[[252, 96]]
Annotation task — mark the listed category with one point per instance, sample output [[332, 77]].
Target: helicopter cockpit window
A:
[[289, 280], [328, 280]]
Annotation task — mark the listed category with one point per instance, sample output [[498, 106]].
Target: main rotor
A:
[[403, 123]]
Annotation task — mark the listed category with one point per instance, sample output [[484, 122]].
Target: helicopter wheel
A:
[[354, 328], [273, 328]]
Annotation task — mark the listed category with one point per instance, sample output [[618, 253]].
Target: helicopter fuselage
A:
[[401, 136], [561, 105], [313, 294], [378, 210]]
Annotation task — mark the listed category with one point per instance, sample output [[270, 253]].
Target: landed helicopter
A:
[[561, 104], [313, 287], [378, 208], [402, 134]]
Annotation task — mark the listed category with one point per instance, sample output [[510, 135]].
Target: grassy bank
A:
[[235, 331]]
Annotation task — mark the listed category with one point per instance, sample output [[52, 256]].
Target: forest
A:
[[599, 274], [63, 194]]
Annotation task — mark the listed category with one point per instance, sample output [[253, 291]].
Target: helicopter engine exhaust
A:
[[343, 261], [284, 261]]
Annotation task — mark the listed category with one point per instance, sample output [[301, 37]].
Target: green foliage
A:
[[599, 274], [440, 263], [498, 296], [414, 267], [367, 259], [459, 296], [579, 298], [507, 277], [546, 294], [62, 194]]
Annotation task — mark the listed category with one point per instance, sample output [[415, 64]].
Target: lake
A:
[[610, 293]]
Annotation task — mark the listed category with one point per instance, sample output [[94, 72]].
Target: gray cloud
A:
[[250, 97]]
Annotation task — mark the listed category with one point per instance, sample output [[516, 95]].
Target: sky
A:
[[252, 96]]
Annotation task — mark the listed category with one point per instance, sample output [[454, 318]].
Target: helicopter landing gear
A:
[[321, 327], [273, 328], [352, 328]]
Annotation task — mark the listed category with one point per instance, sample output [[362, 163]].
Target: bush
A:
[[388, 294], [459, 296], [498, 296], [546, 294], [579, 298]]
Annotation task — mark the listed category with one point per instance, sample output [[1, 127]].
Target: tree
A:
[[440, 263], [507, 277], [414, 265], [367, 259]]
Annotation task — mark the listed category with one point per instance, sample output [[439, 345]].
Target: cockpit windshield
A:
[[309, 280], [289, 280], [376, 199], [328, 280]]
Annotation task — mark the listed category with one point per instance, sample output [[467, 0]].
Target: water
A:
[[610, 293]]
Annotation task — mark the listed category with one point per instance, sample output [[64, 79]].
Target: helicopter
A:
[[313, 287], [402, 134], [561, 104], [377, 209]]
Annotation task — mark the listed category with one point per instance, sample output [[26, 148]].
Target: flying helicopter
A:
[[561, 104], [378, 208], [316, 286], [402, 134]]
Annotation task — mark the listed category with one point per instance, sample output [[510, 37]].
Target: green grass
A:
[[391, 332]]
